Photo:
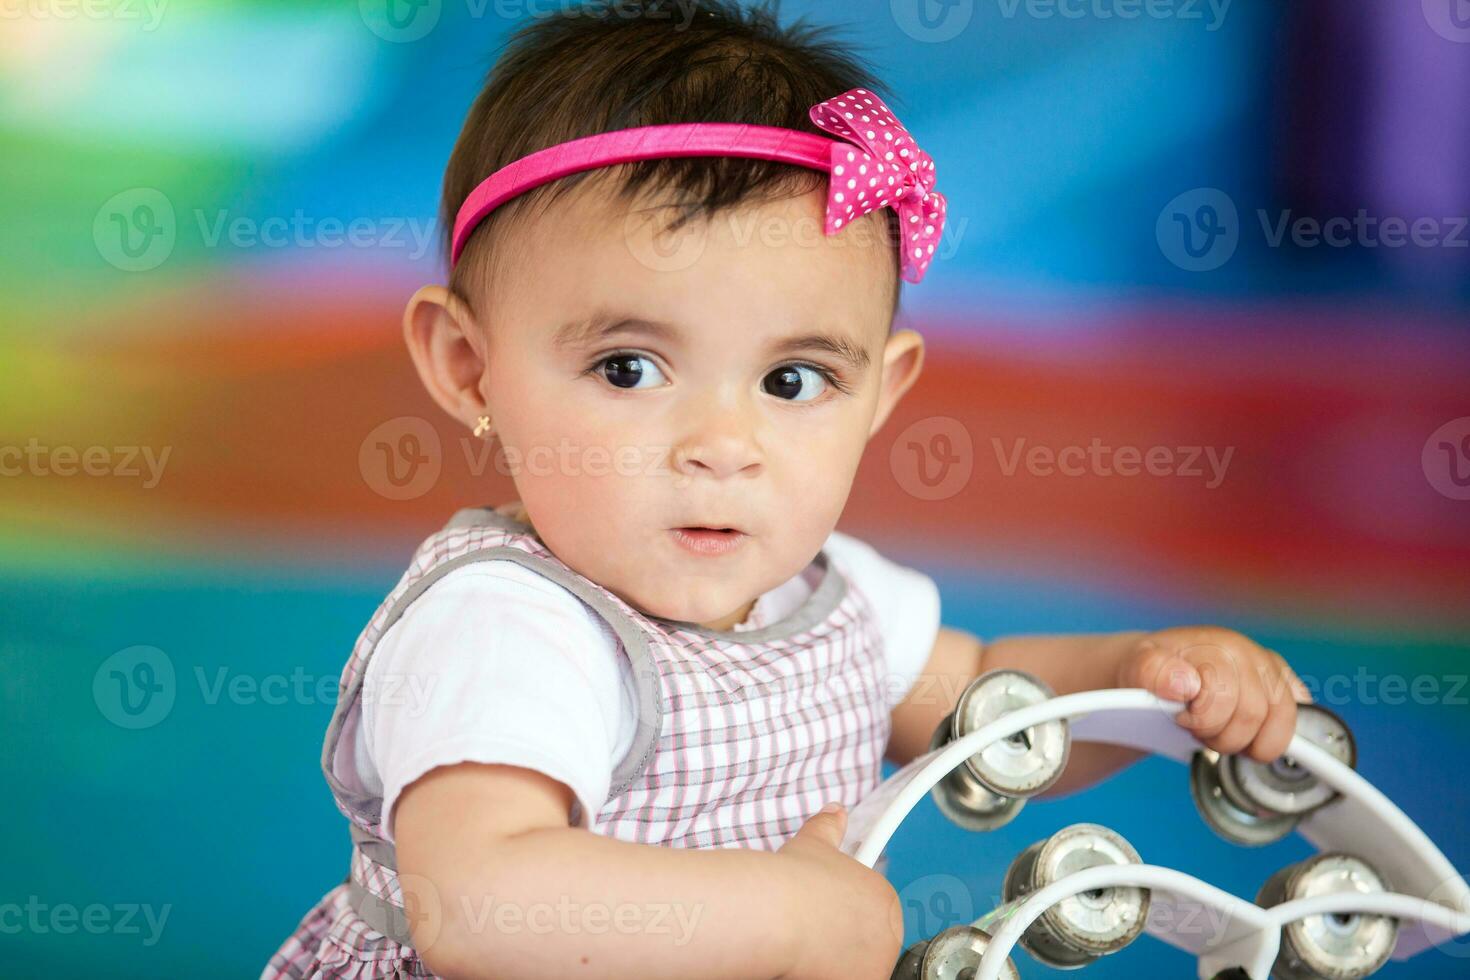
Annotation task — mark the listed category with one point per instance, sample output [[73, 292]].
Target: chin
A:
[[693, 609]]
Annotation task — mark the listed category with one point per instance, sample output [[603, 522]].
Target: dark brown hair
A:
[[616, 64]]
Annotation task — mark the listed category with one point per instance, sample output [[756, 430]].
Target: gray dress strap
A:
[[381, 915], [386, 917]]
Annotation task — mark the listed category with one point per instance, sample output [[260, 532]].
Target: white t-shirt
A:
[[496, 664]]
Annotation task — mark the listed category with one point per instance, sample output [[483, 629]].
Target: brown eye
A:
[[628, 370], [795, 382]]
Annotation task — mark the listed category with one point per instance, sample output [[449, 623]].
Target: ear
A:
[[448, 350], [903, 359]]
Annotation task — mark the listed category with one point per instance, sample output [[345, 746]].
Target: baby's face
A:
[[640, 394]]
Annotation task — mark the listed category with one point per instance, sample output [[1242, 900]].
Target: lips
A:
[[716, 525], [704, 539]]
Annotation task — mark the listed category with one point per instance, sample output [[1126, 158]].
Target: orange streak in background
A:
[[1323, 502]]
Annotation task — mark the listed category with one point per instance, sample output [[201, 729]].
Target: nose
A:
[[720, 441]]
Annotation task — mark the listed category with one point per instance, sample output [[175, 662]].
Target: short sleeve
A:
[[906, 603], [496, 664]]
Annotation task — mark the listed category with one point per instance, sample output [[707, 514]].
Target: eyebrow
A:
[[856, 358], [602, 326]]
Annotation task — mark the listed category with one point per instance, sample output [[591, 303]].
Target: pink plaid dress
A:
[[741, 737]]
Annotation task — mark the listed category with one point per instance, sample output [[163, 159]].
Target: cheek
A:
[[813, 464], [823, 449], [535, 407], [574, 460]]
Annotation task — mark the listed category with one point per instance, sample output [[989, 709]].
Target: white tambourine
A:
[[1332, 915]]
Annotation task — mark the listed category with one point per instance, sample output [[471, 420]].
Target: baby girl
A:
[[678, 232]]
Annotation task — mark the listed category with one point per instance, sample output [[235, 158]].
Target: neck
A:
[[724, 623], [517, 511]]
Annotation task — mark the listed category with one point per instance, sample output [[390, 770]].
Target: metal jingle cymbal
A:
[[1282, 787], [1338, 946], [1224, 817], [1029, 762]]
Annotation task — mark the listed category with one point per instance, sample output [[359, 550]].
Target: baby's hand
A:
[[1240, 696], [850, 924]]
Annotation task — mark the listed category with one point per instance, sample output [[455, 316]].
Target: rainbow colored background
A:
[[170, 286]]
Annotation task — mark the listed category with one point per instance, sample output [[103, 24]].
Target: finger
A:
[[825, 827], [1251, 709], [1276, 732], [1300, 693], [1253, 705], [1277, 677], [1161, 672], [1211, 710]]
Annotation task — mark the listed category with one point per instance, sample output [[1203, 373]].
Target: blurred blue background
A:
[[1234, 225]]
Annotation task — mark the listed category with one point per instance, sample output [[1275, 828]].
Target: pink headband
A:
[[879, 165]]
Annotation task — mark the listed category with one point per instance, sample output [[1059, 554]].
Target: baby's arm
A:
[[498, 885], [1240, 697]]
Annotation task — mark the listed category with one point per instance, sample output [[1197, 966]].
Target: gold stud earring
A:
[[482, 425]]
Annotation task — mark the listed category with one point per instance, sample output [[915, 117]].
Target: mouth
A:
[[705, 540]]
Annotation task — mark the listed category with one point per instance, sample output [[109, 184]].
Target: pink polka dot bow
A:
[[881, 166]]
